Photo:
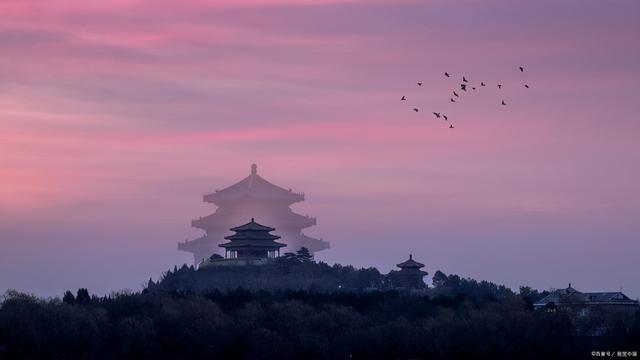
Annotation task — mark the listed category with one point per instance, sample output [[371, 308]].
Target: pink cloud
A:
[[129, 111]]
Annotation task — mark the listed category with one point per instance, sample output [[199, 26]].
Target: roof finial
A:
[[410, 256], [252, 220], [254, 169], [569, 284]]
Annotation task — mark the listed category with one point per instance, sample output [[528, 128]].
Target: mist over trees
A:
[[295, 308]]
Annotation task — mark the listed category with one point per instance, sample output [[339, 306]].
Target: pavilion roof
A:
[[410, 263], [256, 186], [252, 226], [252, 234], [406, 272], [245, 243]]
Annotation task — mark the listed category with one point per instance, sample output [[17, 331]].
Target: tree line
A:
[[347, 314]]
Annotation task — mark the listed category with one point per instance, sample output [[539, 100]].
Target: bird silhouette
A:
[[482, 84], [499, 86], [452, 100], [414, 109], [403, 98], [451, 126], [464, 79], [463, 87], [521, 69], [436, 114], [473, 88], [527, 86], [503, 103], [445, 117], [456, 94], [447, 74], [419, 84]]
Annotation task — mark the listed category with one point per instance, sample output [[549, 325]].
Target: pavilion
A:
[[409, 276], [252, 244], [253, 196]]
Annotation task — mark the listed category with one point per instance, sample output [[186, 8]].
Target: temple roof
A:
[[252, 226], [286, 218], [250, 243], [191, 245], [410, 263], [571, 295], [252, 234], [607, 297], [255, 186], [314, 244], [407, 272]]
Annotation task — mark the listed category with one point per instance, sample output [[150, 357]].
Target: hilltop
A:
[[296, 308]]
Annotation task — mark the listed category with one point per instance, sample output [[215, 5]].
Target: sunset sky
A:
[[117, 116]]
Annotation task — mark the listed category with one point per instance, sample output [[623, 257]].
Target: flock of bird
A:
[[463, 87]]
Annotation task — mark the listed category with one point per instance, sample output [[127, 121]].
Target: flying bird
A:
[[499, 86], [445, 117], [456, 94], [403, 98], [447, 74], [482, 84], [451, 126], [464, 79], [473, 88], [436, 114], [503, 103], [414, 109], [521, 69], [452, 100], [419, 84], [527, 86], [463, 87]]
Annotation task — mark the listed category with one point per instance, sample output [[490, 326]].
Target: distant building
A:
[[252, 243], [252, 197], [570, 298], [409, 276]]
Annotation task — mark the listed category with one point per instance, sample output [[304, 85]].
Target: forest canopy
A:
[[296, 308]]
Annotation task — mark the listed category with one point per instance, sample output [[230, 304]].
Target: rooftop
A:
[[255, 186], [252, 226], [410, 263], [569, 295], [252, 234]]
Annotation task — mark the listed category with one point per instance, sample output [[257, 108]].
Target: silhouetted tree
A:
[[303, 255], [300, 314], [439, 279], [68, 298], [288, 256], [82, 296]]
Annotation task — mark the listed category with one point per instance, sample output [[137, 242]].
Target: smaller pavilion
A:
[[252, 241], [409, 276]]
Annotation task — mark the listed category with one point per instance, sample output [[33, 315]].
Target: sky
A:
[[116, 117]]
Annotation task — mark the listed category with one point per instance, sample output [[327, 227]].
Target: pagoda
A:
[[252, 241], [409, 276], [252, 197]]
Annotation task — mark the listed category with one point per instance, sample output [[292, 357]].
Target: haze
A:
[[115, 119]]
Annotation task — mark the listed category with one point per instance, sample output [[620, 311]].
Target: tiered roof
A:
[[252, 196], [288, 218], [410, 264], [256, 186], [409, 275], [252, 235]]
